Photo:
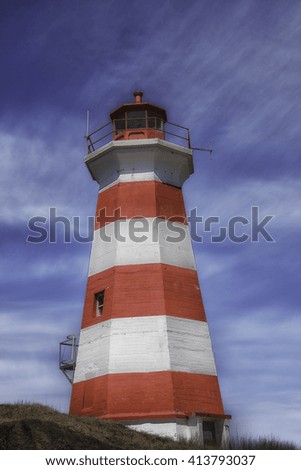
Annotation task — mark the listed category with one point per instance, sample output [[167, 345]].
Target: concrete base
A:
[[208, 432]]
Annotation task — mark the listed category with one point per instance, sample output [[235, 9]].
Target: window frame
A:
[[99, 306]]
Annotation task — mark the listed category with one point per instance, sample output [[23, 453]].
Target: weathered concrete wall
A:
[[155, 247], [171, 163], [147, 359], [145, 344], [144, 290]]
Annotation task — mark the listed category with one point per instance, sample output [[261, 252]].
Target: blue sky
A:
[[228, 70]]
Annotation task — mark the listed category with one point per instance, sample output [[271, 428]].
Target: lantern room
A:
[[138, 120]]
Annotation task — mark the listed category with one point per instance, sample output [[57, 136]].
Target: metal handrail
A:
[[91, 142]]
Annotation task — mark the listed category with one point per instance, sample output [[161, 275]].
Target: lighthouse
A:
[[145, 357]]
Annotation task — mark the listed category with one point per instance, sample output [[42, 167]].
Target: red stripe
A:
[[147, 395], [140, 199], [144, 290]]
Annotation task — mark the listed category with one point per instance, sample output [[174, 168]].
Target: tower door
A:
[[209, 433]]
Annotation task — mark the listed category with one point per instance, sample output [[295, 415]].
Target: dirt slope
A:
[[39, 427]]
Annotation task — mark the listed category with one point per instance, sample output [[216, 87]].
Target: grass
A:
[[34, 426], [260, 443]]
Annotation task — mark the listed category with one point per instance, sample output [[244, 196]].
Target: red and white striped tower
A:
[[145, 356]]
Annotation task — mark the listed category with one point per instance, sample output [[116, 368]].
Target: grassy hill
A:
[[35, 426]]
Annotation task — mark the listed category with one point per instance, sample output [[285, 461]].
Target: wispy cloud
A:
[[228, 71]]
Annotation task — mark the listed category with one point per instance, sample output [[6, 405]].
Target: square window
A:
[[119, 125], [136, 119], [99, 300], [155, 121]]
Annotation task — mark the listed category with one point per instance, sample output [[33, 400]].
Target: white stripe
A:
[[170, 162], [190, 346], [132, 178], [120, 243], [144, 344]]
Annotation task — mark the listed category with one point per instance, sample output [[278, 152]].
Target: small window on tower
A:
[[99, 297]]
